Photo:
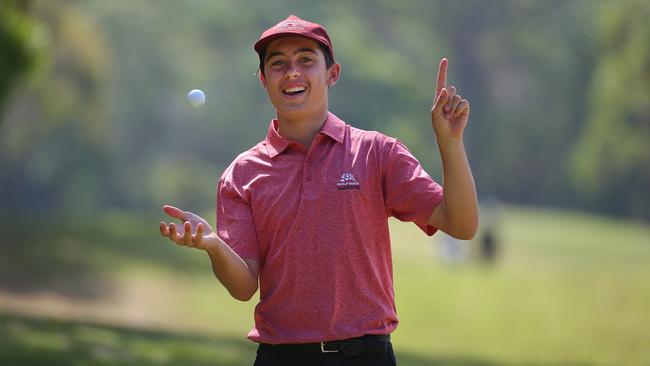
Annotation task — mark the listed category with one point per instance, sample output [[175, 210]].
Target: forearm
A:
[[459, 206], [231, 270]]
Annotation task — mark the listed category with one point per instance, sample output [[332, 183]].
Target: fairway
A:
[[567, 289]]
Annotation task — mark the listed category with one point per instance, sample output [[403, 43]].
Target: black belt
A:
[[366, 345]]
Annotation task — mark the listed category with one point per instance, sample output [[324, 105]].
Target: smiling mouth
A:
[[294, 91]]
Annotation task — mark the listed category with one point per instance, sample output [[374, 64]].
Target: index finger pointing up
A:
[[442, 76]]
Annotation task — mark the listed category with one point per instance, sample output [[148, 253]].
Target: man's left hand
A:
[[450, 112]]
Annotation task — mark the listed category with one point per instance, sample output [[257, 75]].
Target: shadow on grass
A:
[[412, 360], [75, 257], [40, 341], [34, 341]]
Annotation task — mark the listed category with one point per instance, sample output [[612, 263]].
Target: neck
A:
[[302, 130]]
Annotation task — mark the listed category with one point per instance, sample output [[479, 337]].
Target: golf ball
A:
[[196, 97]]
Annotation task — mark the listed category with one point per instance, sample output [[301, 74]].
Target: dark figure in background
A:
[[488, 238], [488, 246]]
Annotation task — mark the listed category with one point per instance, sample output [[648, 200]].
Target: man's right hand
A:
[[193, 232], [238, 275]]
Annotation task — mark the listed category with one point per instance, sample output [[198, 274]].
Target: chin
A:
[[293, 109], [292, 113]]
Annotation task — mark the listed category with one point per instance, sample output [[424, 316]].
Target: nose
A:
[[292, 72]]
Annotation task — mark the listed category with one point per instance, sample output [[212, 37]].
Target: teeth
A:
[[294, 89]]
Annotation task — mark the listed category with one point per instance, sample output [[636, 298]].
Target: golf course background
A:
[[96, 135], [567, 289]]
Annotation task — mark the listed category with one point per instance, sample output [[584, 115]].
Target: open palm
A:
[[190, 232]]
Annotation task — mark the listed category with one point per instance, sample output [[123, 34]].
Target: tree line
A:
[[94, 115]]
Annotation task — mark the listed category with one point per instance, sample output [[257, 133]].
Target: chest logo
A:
[[347, 181]]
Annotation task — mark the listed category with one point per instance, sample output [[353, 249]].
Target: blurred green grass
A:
[[30, 341], [567, 289]]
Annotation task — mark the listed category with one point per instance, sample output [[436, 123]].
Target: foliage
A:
[[19, 42], [55, 133], [105, 124], [612, 158]]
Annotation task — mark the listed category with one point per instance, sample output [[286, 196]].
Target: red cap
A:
[[295, 26]]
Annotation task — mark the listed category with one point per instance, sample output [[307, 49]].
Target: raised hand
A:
[[450, 112], [190, 233]]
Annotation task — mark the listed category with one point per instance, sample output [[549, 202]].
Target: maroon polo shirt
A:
[[316, 220]]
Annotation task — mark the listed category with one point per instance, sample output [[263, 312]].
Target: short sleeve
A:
[[410, 194], [235, 225]]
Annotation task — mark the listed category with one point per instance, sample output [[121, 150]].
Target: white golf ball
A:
[[196, 97]]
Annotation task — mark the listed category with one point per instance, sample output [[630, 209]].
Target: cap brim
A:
[[261, 44]]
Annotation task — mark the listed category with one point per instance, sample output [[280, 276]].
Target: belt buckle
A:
[[323, 350]]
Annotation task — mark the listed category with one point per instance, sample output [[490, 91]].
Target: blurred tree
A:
[[19, 42], [54, 139], [524, 65], [105, 122], [611, 162]]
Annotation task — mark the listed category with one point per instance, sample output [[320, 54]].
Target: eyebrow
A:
[[301, 49]]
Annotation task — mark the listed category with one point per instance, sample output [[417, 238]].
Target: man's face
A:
[[296, 78]]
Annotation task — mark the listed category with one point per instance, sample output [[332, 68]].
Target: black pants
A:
[[291, 357]]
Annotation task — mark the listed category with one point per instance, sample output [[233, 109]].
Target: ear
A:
[[333, 74], [262, 79]]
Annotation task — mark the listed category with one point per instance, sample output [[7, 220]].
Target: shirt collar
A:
[[276, 144], [334, 128]]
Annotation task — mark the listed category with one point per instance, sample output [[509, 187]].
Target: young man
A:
[[305, 212]]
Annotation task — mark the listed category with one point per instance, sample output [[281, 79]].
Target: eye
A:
[[275, 61], [305, 59]]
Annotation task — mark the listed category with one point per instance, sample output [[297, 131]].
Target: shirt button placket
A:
[[308, 168], [310, 152]]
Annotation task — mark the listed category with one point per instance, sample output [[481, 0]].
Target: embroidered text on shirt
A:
[[347, 181]]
